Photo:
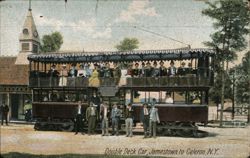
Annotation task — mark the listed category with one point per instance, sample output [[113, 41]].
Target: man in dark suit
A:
[[172, 69], [4, 111], [145, 119], [79, 119], [53, 75], [182, 70]]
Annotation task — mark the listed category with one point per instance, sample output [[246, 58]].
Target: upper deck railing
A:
[[83, 82]]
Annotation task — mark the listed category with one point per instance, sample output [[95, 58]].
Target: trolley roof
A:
[[124, 56]]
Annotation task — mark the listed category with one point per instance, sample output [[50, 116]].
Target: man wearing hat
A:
[[136, 71], [148, 73], [142, 74], [145, 119], [72, 75], [153, 120], [108, 73], [116, 73], [129, 114], [91, 114], [79, 119], [162, 69], [182, 69], [172, 69], [155, 74], [104, 112], [53, 74], [136, 75], [115, 117]]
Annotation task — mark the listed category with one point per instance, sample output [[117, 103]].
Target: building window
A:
[[35, 48], [25, 31], [25, 47]]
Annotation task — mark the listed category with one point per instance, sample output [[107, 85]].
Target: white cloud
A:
[[135, 9], [104, 34], [51, 22], [87, 27]]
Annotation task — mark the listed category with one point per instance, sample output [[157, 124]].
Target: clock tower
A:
[[29, 40]]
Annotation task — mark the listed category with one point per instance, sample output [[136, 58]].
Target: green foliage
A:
[[231, 20], [242, 79], [128, 44], [52, 42], [215, 91]]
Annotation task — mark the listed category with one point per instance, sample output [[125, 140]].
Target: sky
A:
[[98, 25]]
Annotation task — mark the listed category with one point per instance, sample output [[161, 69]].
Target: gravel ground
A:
[[221, 142]]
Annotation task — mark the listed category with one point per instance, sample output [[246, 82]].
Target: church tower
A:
[[29, 40]]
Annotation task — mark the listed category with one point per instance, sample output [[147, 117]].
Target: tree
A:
[[128, 44], [52, 42], [242, 72], [231, 20]]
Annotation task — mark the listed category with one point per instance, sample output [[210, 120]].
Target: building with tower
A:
[[14, 71]]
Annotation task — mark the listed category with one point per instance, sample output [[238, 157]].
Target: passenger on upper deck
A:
[[162, 69], [155, 71], [172, 69], [53, 72], [169, 99], [108, 73], [116, 73], [189, 69], [148, 70], [136, 71], [143, 74], [80, 72], [123, 79], [87, 71], [63, 76], [129, 70], [182, 70], [72, 71], [94, 79]]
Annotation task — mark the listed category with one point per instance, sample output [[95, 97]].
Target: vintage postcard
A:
[[124, 78]]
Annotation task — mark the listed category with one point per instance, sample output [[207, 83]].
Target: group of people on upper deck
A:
[[119, 72]]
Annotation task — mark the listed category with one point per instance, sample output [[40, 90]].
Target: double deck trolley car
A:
[[54, 105]]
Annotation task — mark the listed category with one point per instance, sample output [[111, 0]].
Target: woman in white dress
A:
[[63, 76]]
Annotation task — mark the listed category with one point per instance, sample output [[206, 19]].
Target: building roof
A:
[[138, 55], [11, 74]]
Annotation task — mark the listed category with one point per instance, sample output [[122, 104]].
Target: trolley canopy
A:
[[118, 56]]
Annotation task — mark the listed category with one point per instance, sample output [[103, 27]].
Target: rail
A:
[[82, 82]]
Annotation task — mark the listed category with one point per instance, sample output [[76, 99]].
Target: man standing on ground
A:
[[115, 116], [129, 120], [153, 119], [145, 119], [79, 119], [91, 118], [4, 111], [104, 117]]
